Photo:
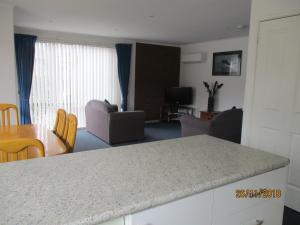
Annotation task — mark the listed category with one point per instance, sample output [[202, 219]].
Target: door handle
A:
[[255, 222], [259, 222]]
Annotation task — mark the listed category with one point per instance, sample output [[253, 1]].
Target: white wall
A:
[[8, 85], [193, 74], [261, 10]]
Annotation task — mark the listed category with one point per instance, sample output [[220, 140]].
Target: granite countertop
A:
[[95, 186]]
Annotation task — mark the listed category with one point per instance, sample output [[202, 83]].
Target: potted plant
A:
[[212, 91]]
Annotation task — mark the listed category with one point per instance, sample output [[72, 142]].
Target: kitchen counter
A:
[[95, 186]]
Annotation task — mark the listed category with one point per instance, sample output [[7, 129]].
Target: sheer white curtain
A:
[[68, 76]]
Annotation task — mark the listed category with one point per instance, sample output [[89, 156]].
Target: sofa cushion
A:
[[112, 108]]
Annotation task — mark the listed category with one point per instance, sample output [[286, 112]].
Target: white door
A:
[[275, 116]]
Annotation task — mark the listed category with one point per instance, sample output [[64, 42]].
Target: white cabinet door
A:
[[194, 210], [275, 115], [227, 207], [262, 214], [220, 206]]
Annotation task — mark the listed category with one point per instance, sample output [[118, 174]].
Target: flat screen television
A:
[[179, 95]]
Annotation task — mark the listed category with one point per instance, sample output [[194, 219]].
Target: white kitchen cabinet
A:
[[220, 206], [229, 210], [275, 109], [262, 214], [193, 210]]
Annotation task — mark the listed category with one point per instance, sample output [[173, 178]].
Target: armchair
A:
[[104, 121], [226, 125]]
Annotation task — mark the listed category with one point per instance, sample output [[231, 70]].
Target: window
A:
[[68, 76]]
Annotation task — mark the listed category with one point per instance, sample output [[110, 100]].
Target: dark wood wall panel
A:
[[157, 68]]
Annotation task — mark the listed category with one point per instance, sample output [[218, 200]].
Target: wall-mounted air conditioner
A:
[[199, 57]]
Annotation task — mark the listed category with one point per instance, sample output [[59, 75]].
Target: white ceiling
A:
[[170, 21]]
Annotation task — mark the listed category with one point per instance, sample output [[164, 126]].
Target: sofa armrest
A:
[[125, 126], [227, 125], [191, 125]]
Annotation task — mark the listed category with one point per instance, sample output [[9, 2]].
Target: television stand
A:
[[173, 111]]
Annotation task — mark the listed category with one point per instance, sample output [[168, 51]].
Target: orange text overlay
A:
[[258, 193]]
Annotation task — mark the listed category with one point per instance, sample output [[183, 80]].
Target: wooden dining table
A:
[[52, 144]]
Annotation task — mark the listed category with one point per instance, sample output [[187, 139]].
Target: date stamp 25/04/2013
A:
[[258, 193]]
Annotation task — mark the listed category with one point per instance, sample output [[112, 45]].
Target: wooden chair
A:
[[69, 136], [5, 114], [60, 123], [17, 149]]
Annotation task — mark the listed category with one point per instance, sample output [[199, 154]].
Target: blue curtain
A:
[[24, 48], [124, 59]]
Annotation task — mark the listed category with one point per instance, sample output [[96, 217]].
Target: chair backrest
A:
[[60, 123], [17, 149], [69, 136], [64, 137], [5, 114]]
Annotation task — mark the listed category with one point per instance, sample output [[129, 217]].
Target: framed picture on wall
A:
[[227, 63]]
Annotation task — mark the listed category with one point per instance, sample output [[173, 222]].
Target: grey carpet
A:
[[153, 132]]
